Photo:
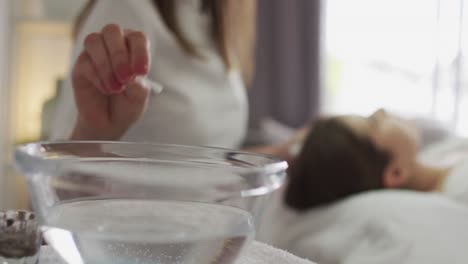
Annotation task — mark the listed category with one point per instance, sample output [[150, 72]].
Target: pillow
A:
[[388, 226]]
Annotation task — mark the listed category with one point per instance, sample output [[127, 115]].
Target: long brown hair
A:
[[334, 163], [233, 29]]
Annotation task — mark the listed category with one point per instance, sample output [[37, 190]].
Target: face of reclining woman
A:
[[392, 134]]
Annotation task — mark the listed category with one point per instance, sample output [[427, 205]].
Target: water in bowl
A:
[[124, 231]]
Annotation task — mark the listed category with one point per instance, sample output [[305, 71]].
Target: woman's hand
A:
[[107, 95]]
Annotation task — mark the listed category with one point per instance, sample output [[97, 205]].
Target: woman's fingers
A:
[[117, 57], [118, 53], [130, 104], [97, 51], [84, 69], [136, 92], [138, 47]]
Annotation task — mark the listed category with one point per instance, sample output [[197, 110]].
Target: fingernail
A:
[[107, 89], [115, 90], [115, 86], [119, 89], [142, 69], [124, 74]]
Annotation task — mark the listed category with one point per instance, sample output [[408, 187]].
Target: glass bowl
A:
[[117, 202]]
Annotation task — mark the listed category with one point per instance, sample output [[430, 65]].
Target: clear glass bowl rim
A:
[[270, 165]]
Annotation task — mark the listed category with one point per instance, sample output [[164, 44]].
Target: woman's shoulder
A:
[[124, 5]]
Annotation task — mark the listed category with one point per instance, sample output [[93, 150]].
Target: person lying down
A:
[[347, 155], [358, 194]]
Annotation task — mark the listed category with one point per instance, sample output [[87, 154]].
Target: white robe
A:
[[202, 103]]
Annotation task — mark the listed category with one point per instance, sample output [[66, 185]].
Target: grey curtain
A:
[[287, 82]]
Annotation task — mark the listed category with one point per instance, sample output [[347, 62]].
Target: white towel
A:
[[256, 253], [378, 227], [260, 253]]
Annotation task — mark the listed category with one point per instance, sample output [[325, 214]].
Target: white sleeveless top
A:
[[201, 104]]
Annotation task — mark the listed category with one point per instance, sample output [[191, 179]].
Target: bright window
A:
[[403, 55]]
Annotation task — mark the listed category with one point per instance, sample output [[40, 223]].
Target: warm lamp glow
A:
[[42, 56]]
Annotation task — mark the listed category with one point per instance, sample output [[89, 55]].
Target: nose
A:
[[380, 113]]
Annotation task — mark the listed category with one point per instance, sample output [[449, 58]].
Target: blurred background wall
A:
[[35, 45]]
